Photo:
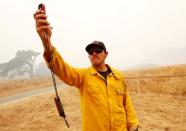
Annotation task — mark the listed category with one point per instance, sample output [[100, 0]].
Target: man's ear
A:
[[106, 52]]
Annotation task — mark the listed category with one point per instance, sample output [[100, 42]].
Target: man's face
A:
[[97, 56]]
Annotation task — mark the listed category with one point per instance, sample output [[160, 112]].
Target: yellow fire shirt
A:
[[105, 104]]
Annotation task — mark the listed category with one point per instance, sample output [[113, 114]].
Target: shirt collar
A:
[[114, 72], [92, 70]]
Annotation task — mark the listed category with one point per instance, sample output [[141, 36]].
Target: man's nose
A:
[[94, 53]]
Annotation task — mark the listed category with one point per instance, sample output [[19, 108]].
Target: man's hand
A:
[[134, 128], [42, 24], [43, 29]]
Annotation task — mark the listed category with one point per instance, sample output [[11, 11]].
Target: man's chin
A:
[[96, 64]]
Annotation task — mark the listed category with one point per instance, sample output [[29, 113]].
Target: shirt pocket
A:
[[120, 93], [120, 90], [92, 96], [92, 90]]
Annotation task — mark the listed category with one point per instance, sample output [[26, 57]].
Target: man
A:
[[105, 104]]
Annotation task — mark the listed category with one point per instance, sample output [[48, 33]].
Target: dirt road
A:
[[27, 95]]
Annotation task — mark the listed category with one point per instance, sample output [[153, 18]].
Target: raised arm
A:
[[65, 72]]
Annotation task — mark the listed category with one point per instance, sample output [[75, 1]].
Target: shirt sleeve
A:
[[131, 116], [70, 75]]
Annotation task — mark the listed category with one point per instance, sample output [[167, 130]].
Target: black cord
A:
[[57, 99], [58, 104]]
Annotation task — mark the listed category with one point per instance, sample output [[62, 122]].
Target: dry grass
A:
[[156, 112], [160, 106], [165, 85], [39, 113]]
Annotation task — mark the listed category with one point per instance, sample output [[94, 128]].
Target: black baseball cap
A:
[[95, 44]]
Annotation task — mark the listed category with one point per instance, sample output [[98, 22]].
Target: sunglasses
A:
[[97, 50]]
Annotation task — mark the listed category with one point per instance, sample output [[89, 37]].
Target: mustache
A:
[[95, 57]]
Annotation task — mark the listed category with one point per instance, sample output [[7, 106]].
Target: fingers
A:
[[39, 12], [44, 27], [39, 15], [41, 22]]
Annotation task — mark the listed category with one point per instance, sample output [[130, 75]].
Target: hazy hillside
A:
[[167, 56]]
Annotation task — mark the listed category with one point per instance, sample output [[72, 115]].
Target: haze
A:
[[135, 32]]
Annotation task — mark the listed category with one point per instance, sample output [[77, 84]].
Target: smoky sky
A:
[[135, 32]]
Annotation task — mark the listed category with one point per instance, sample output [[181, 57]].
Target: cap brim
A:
[[90, 46]]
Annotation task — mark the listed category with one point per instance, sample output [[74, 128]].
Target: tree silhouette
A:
[[18, 63]]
